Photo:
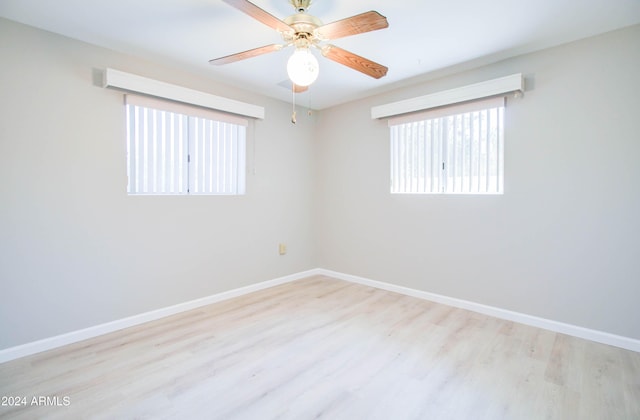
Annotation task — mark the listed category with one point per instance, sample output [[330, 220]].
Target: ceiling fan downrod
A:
[[301, 6]]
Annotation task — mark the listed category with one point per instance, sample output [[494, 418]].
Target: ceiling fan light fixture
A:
[[303, 67]]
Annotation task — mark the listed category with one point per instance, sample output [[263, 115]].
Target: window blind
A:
[[174, 148], [454, 150]]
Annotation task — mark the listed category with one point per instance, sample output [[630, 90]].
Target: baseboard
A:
[[534, 321], [28, 349], [50, 343]]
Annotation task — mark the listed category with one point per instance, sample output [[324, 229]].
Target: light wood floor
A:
[[324, 348]]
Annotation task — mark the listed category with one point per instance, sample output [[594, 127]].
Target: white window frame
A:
[[452, 150], [178, 149]]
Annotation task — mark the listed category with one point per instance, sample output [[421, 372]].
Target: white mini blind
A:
[[452, 150], [173, 148]]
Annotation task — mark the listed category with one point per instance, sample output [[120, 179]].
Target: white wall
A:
[[563, 241], [75, 250]]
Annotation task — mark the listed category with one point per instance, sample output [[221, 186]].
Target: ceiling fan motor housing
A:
[[304, 26]]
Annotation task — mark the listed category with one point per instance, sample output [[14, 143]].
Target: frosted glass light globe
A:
[[302, 67]]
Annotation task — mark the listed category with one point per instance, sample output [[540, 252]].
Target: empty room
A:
[[295, 209]]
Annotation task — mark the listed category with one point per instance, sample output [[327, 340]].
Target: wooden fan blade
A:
[[365, 22], [259, 14], [246, 54], [354, 61], [299, 89]]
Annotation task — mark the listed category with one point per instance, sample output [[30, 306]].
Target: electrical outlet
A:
[[282, 249]]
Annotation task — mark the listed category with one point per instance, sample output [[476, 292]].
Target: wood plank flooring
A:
[[329, 349]]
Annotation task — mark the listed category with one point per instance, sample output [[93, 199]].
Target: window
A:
[[178, 149], [453, 150]]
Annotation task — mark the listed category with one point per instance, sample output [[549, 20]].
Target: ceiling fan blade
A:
[[257, 13], [358, 24], [354, 61], [246, 54]]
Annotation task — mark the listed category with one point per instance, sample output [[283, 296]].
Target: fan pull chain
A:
[[293, 94]]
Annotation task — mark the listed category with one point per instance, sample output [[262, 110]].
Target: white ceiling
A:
[[424, 36]]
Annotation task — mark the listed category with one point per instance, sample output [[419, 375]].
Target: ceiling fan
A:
[[304, 31]]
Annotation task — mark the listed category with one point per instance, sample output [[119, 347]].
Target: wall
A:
[[561, 243], [75, 250]]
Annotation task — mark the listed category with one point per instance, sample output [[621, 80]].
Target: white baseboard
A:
[[50, 343], [534, 321]]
